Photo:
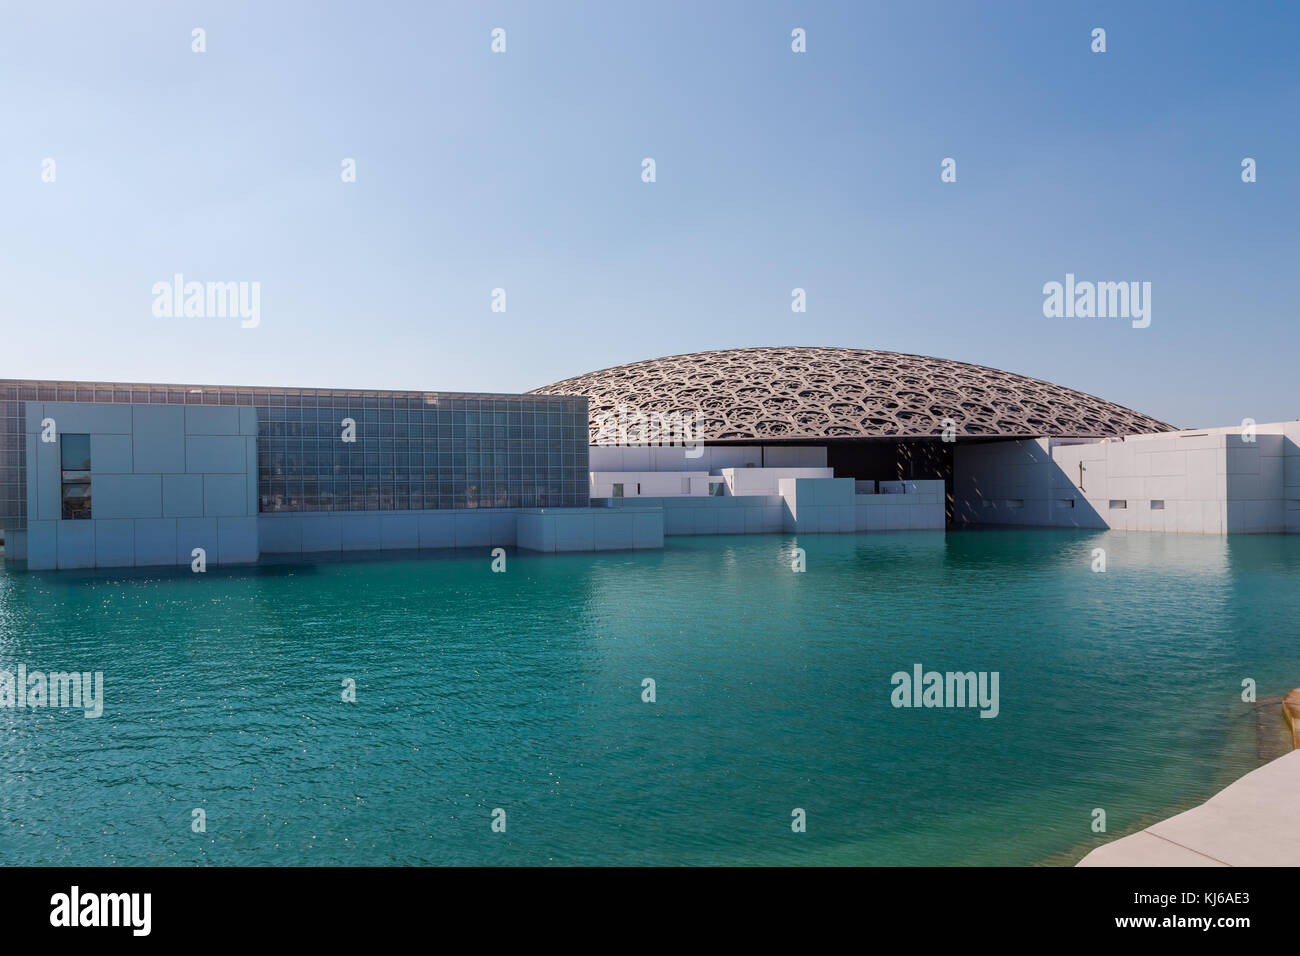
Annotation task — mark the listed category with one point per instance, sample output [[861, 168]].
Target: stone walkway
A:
[[1253, 822]]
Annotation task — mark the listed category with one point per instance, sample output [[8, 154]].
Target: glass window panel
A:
[[76, 501], [75, 452]]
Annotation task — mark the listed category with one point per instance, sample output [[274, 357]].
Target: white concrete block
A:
[[1169, 463], [33, 483], [399, 532], [42, 545], [647, 530], [473, 530], [1243, 460], [225, 496], [574, 532], [114, 543], [212, 420], [614, 531], [237, 540], [126, 496], [320, 533], [250, 457], [155, 542], [84, 418], [280, 534], [47, 483], [503, 526], [158, 439], [212, 454], [359, 531], [678, 521], [437, 530], [194, 533], [536, 532], [76, 544], [182, 496], [731, 521], [1189, 518], [110, 454], [1214, 518]]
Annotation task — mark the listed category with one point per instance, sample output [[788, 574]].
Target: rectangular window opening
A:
[[74, 470]]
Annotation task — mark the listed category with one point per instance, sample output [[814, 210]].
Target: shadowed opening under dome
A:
[[878, 414]]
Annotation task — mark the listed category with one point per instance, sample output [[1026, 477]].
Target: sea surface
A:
[[522, 691]]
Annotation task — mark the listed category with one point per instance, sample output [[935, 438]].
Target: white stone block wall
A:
[[918, 507], [164, 480], [537, 529], [301, 533], [696, 515], [651, 484], [766, 481], [590, 529], [1217, 481], [710, 459], [1290, 432], [804, 506], [829, 506]]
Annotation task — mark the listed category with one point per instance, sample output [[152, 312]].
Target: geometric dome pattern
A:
[[800, 393]]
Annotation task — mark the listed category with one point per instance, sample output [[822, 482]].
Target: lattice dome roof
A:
[[798, 393]]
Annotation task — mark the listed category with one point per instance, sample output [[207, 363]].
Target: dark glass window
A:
[[74, 463], [74, 451]]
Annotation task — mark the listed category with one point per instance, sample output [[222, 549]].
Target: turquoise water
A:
[[477, 690]]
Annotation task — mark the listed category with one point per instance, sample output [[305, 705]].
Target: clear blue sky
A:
[[775, 170]]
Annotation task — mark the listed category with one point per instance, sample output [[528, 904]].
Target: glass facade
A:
[[408, 450], [13, 456]]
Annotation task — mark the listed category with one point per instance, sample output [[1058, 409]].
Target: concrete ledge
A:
[[704, 515], [1146, 849], [296, 532], [1252, 822], [590, 529]]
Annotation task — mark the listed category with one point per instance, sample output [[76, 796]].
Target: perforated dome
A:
[[801, 393]]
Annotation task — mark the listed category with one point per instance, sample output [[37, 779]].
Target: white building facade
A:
[[1241, 480]]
